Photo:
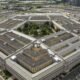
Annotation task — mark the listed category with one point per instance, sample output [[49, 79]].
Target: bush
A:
[[37, 30]]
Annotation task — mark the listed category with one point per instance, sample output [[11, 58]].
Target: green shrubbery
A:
[[5, 74], [37, 30]]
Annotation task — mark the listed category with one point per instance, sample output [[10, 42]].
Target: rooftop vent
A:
[[13, 57], [56, 58], [12, 39], [43, 40]]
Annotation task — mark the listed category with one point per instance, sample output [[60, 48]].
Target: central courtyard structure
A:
[[38, 29]]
